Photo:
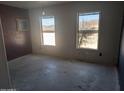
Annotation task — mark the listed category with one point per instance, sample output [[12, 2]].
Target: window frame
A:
[[41, 30], [77, 29]]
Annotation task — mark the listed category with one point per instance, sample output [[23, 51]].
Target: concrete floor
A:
[[34, 72]]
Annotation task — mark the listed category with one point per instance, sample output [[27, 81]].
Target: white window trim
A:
[[41, 31], [77, 30]]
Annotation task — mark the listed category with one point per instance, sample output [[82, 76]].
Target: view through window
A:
[[48, 30], [88, 30]]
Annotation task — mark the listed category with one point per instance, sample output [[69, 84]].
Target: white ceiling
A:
[[31, 4]]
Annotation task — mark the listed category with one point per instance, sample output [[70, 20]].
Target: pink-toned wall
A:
[[17, 43]]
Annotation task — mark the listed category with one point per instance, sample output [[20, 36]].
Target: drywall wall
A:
[[17, 43], [4, 74], [66, 27]]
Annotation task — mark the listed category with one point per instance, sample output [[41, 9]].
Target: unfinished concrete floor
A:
[[33, 72]]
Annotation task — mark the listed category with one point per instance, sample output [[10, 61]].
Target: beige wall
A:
[[65, 22]]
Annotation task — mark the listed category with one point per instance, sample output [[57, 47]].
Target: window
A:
[[48, 30], [88, 30]]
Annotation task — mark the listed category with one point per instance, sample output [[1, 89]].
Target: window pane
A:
[[48, 24], [48, 30], [88, 30], [88, 40], [49, 38], [89, 21]]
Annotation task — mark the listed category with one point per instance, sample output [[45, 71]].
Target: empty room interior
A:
[[62, 45]]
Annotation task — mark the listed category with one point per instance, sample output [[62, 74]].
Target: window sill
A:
[[47, 45], [86, 49]]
